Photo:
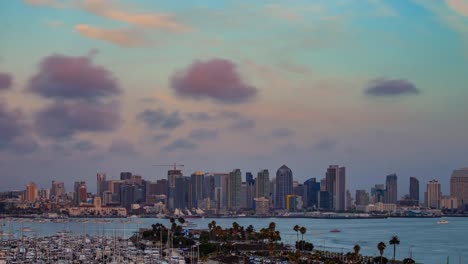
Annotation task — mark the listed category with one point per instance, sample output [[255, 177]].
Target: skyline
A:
[[377, 86]]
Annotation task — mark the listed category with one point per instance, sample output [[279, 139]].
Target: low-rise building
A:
[[96, 209]]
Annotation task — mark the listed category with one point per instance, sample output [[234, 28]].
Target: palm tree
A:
[[181, 220], [303, 230], [394, 241], [381, 247], [296, 228], [356, 249]]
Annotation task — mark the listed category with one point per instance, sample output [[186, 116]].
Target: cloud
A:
[[13, 129], [230, 115], [243, 124], [84, 145], [68, 77], [383, 87], [180, 143], [459, 6], [200, 116], [5, 81], [63, 120], [160, 119], [108, 10], [123, 37], [23, 145], [160, 137], [282, 132], [122, 147], [216, 79], [49, 3], [203, 134], [325, 144]]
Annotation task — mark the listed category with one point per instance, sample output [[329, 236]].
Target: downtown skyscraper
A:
[[414, 189], [459, 185], [284, 186], [391, 189], [262, 184], [335, 181]]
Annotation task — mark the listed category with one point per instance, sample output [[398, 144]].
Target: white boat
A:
[[442, 222]]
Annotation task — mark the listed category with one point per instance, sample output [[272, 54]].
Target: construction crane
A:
[[174, 166]]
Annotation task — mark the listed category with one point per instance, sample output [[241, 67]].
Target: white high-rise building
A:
[[433, 194]]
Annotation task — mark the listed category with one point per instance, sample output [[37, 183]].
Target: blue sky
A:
[[376, 86]]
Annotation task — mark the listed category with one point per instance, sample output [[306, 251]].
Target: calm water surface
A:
[[424, 239]]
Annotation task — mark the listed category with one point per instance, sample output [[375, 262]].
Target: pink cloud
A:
[[151, 20], [68, 77], [122, 37], [216, 79], [459, 6], [5, 81]]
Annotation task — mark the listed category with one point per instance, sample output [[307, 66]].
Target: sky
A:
[[89, 86]]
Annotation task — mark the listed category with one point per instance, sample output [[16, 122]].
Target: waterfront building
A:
[[459, 186], [433, 194], [294, 203], [449, 202], [414, 189], [243, 195], [171, 182], [262, 206], [284, 186], [96, 209], [312, 190], [378, 193], [234, 189], [349, 200], [262, 184], [377, 207], [362, 197], [391, 189], [101, 184], [325, 200], [31, 192], [335, 181], [181, 192], [196, 188]]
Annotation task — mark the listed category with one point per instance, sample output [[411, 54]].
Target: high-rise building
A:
[[196, 190], [234, 189], [125, 176], [31, 192], [80, 192], [414, 189], [378, 194], [262, 184], [433, 194], [249, 178], [336, 186], [181, 192], [459, 186], [171, 182], [101, 184], [284, 186], [57, 189], [362, 197], [349, 200], [312, 190], [391, 193]]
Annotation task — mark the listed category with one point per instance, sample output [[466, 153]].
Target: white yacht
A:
[[442, 222]]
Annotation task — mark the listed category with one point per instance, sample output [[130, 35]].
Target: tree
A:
[[181, 220], [296, 228], [394, 241], [303, 230], [356, 249], [381, 247]]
